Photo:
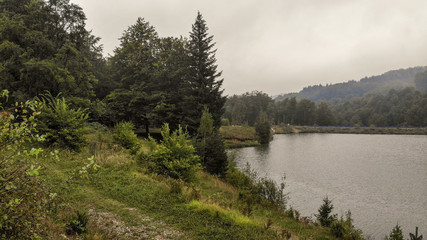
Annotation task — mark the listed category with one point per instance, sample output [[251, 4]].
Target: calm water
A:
[[382, 179]]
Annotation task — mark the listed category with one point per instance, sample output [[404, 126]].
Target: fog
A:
[[282, 46]]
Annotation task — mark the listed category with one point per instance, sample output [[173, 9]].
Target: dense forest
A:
[[382, 84], [380, 106], [149, 80]]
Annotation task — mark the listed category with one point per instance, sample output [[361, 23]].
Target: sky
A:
[[282, 46]]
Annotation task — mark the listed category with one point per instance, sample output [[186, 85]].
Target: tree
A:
[[134, 66], [324, 217], [210, 146], [175, 156], [421, 81], [396, 234], [44, 46], [415, 236], [263, 128], [324, 116], [305, 112], [204, 85]]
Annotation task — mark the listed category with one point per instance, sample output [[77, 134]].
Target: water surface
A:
[[382, 179]]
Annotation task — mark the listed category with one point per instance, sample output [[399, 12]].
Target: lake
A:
[[382, 179]]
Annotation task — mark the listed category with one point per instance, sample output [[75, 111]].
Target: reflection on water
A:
[[382, 179]]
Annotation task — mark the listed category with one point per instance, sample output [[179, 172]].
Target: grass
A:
[[238, 136], [123, 198]]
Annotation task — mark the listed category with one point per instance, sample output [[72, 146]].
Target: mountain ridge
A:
[[377, 84]]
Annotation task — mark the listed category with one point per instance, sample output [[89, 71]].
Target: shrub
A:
[[77, 224], [396, 234], [24, 200], [225, 122], [175, 156], [337, 229], [260, 189], [324, 217], [62, 125], [124, 135]]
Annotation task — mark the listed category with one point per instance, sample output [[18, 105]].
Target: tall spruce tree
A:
[[204, 83]]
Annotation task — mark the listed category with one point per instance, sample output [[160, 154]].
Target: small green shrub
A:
[[395, 234], [225, 122], [77, 224], [324, 216], [124, 135], [174, 157], [62, 125], [337, 229]]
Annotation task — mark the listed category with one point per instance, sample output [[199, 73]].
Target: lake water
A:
[[382, 179]]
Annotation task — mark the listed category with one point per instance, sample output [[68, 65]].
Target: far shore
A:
[[351, 130]]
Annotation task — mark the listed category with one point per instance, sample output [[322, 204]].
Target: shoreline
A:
[[351, 130]]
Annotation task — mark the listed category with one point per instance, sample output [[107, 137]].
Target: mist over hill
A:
[[381, 84]]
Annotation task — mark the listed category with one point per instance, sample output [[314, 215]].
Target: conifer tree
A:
[[204, 83], [210, 146]]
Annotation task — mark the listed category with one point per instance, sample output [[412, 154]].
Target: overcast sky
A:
[[281, 46]]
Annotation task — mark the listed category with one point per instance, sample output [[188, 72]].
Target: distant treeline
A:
[[245, 109], [382, 84], [406, 107]]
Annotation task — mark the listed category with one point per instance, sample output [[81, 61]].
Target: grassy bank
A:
[[351, 130], [123, 200], [239, 136]]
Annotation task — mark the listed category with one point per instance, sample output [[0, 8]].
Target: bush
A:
[[124, 135], [77, 224], [175, 156], [324, 217], [24, 200], [396, 234], [62, 125], [261, 189], [273, 192]]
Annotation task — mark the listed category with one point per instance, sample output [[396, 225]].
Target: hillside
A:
[[381, 84]]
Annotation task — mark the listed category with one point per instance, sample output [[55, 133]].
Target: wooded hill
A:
[[381, 84]]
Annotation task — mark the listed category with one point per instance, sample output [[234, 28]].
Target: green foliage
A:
[[62, 125], [203, 78], [263, 129], [395, 234], [225, 122], [44, 46], [421, 81], [24, 199], [124, 135], [324, 215], [175, 156], [77, 224], [415, 236], [210, 146], [337, 229], [254, 189]]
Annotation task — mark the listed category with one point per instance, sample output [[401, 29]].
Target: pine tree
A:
[[204, 85], [324, 217], [210, 146], [396, 234]]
